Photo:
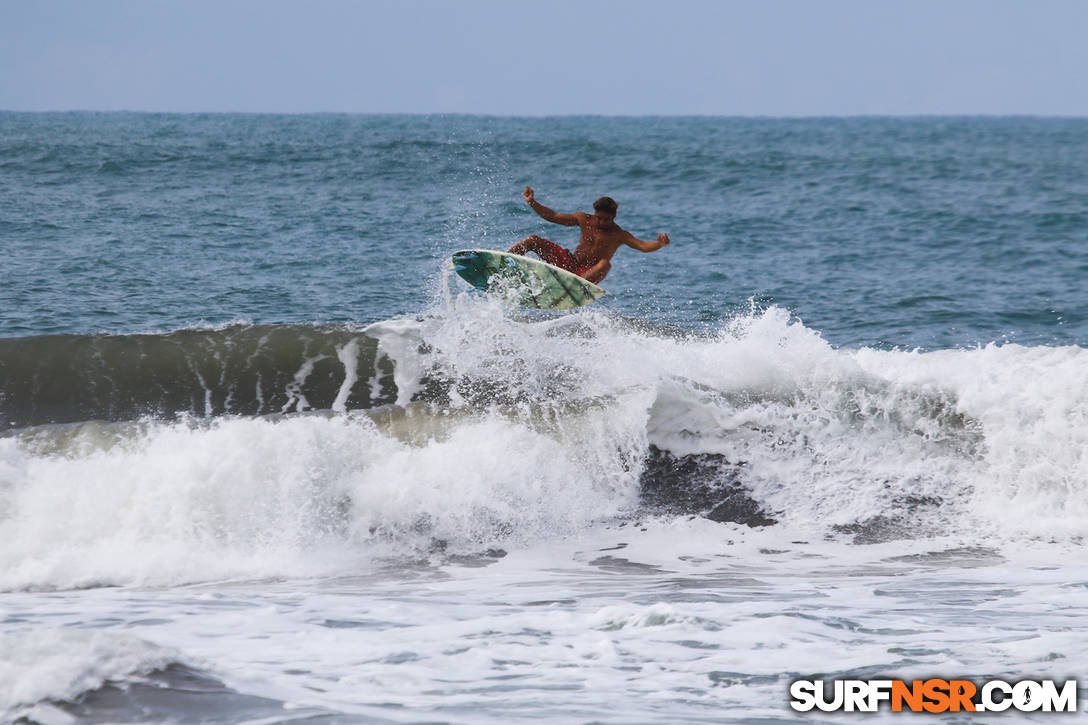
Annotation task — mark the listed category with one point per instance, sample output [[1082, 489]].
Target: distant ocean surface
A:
[[938, 233], [263, 458]]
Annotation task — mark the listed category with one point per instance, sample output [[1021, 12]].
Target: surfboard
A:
[[523, 280]]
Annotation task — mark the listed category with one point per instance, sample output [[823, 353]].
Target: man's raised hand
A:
[[663, 239], [528, 194]]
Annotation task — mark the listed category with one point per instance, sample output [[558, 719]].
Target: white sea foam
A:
[[543, 429], [827, 435], [349, 358], [60, 664], [301, 496], [1031, 406], [670, 620]]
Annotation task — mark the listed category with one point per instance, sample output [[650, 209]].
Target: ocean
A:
[[264, 459]]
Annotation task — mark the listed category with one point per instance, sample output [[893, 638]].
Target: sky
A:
[[548, 57]]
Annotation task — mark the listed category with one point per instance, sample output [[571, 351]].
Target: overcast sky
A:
[[545, 57]]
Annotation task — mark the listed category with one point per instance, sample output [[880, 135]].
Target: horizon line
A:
[[467, 114]]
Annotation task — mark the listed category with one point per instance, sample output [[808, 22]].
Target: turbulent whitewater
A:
[[424, 433]]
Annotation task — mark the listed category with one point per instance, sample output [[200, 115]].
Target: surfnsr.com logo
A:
[[934, 695]]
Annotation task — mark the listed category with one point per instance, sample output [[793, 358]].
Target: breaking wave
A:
[[255, 451]]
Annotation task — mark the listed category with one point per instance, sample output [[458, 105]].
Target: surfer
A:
[[601, 237]]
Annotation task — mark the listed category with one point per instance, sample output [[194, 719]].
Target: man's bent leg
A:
[[531, 243], [548, 251]]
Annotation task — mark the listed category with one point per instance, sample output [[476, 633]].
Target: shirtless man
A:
[[601, 237]]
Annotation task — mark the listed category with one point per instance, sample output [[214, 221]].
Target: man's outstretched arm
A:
[[567, 220], [642, 246]]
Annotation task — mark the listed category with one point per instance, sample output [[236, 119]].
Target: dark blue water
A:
[[943, 232]]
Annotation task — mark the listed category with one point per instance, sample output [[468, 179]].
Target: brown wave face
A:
[[240, 370]]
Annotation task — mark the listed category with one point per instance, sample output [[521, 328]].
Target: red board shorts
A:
[[552, 253]]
